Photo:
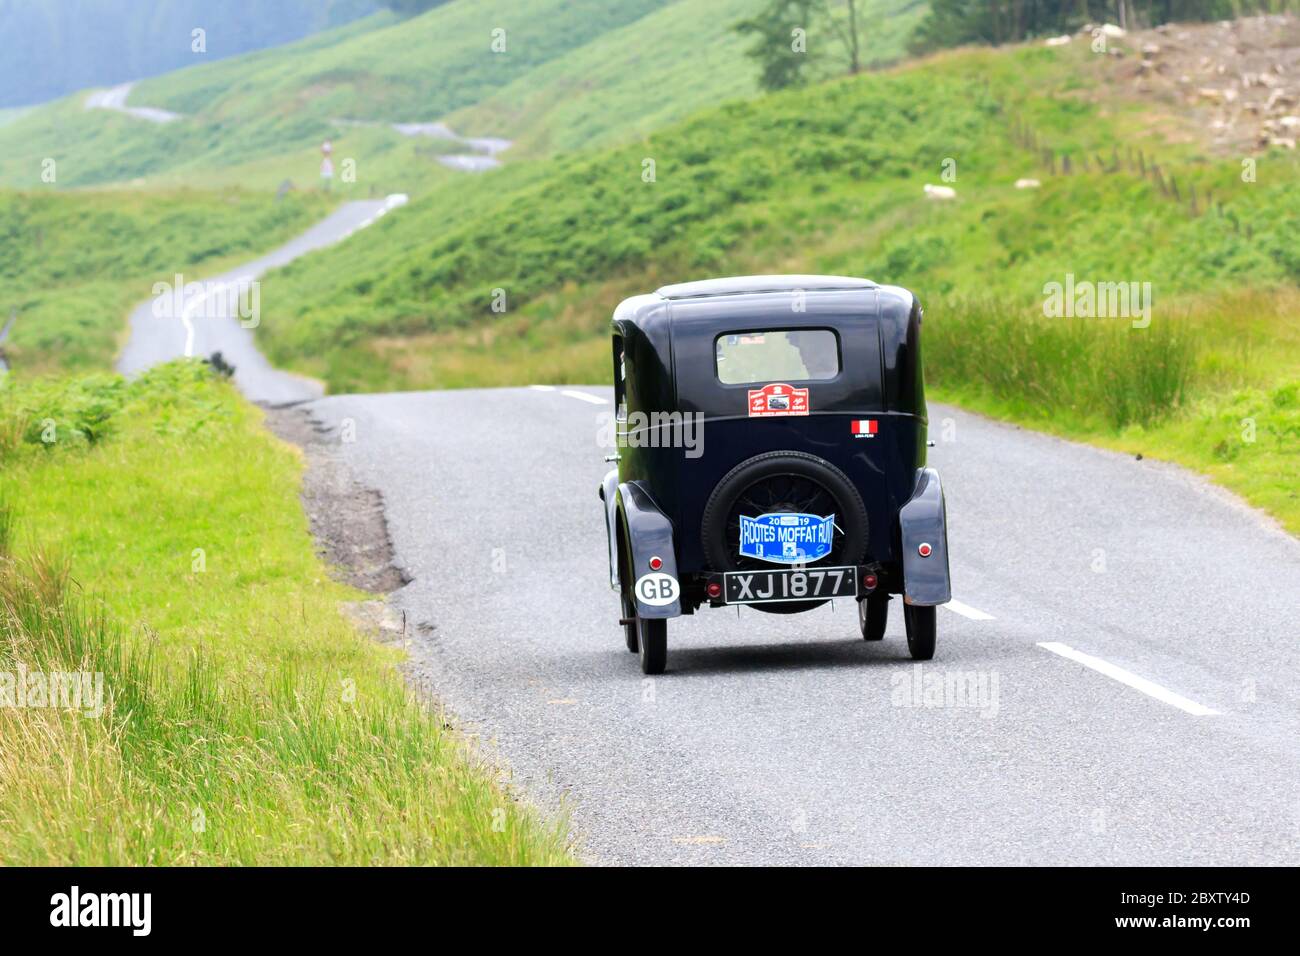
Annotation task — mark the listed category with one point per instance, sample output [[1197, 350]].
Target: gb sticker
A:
[[656, 589]]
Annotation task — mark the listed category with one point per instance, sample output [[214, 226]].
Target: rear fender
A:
[[609, 497], [649, 534], [924, 521]]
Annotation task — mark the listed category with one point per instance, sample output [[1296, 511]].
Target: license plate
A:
[[788, 584]]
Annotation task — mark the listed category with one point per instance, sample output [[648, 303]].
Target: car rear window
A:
[[777, 355]]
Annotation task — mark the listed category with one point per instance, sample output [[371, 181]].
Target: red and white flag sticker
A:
[[865, 427], [777, 399]]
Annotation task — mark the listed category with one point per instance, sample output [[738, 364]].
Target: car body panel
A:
[[649, 534], [923, 522], [665, 357], [609, 495]]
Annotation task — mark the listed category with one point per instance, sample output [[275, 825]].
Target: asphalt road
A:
[[789, 739], [114, 99], [1115, 682], [208, 320]]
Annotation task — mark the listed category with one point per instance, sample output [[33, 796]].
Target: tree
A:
[[848, 34], [777, 49], [781, 29]]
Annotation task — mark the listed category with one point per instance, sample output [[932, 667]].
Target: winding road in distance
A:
[[160, 338], [1115, 683]]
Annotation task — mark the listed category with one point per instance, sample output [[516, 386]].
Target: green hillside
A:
[[829, 179], [242, 111], [824, 179], [572, 75], [665, 66], [73, 264]]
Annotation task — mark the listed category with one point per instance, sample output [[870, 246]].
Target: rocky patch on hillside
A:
[[1240, 78]]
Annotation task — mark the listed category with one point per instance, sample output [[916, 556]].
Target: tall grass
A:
[[6, 528], [245, 720], [1214, 383], [202, 766], [1094, 369]]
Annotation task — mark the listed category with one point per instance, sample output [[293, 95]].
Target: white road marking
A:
[[199, 300], [1147, 687], [189, 326], [584, 397], [542, 388], [965, 610]]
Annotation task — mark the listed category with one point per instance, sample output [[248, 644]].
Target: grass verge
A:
[[1213, 387], [151, 532]]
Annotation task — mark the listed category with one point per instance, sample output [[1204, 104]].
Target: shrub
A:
[[61, 413]]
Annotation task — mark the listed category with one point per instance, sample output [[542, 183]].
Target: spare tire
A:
[[777, 481]]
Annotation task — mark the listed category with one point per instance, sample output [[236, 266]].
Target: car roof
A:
[[759, 298], [749, 285]]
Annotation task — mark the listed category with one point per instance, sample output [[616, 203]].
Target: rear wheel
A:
[[629, 630], [653, 638], [625, 601], [920, 631], [873, 615]]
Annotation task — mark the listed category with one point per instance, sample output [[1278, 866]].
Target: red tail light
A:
[[869, 581], [656, 563], [714, 589]]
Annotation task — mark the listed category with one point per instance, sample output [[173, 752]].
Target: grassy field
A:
[[158, 540], [572, 75], [73, 264], [829, 179]]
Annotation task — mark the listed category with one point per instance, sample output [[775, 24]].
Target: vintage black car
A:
[[771, 453]]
